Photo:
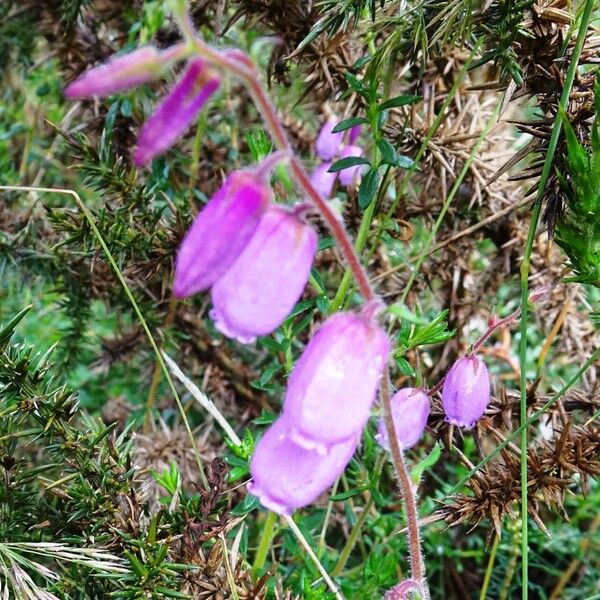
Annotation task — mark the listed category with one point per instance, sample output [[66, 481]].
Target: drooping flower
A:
[[119, 73], [286, 476], [220, 232], [333, 385], [328, 143], [322, 180], [410, 409], [348, 176], [466, 391], [261, 287], [177, 111]]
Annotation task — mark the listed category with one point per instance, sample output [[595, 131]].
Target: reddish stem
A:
[[249, 75], [417, 565]]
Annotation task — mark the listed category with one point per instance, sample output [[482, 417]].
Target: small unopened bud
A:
[[410, 410], [407, 589], [260, 289], [178, 110], [466, 391]]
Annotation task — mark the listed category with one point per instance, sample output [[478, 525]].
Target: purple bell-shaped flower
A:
[[332, 387], [410, 409], [466, 391], [177, 111], [220, 232], [261, 287], [286, 476]]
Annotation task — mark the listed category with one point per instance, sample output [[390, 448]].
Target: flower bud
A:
[[177, 111], [348, 176], [410, 409], [220, 232], [466, 391], [119, 73], [322, 180], [286, 476], [408, 588], [262, 286], [327, 143], [333, 385]]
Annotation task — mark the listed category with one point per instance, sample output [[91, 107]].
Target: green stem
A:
[[361, 240], [347, 549], [525, 267], [490, 567], [351, 541], [264, 544]]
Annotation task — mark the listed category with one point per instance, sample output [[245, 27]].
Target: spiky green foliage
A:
[[578, 231]]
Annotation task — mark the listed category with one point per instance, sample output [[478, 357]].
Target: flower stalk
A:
[[417, 565]]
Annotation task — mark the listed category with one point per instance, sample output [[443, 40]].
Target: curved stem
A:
[[240, 66], [417, 565], [266, 537]]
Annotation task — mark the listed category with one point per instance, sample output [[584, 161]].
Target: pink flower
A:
[[220, 232], [466, 391], [410, 409], [348, 176], [322, 180], [286, 476], [177, 111], [119, 73], [333, 385], [261, 287], [328, 143]]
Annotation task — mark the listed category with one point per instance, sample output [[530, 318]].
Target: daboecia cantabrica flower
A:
[[410, 410], [333, 385], [466, 391], [220, 232], [287, 476], [261, 287]]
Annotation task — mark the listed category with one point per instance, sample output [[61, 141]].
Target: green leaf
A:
[[356, 85], [368, 188], [248, 504], [426, 463], [8, 330], [349, 123], [405, 162], [399, 101], [402, 311], [348, 494], [346, 163], [404, 366], [388, 152]]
